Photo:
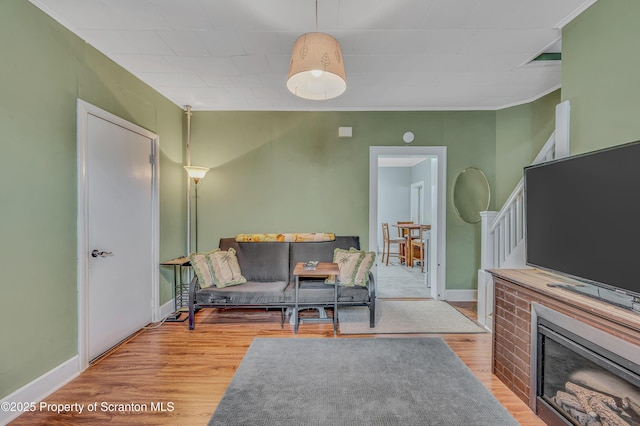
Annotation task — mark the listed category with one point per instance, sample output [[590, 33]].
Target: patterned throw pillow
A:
[[225, 268], [200, 264], [362, 275], [286, 237], [348, 263]]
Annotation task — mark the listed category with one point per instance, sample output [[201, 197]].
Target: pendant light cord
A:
[[316, 15]]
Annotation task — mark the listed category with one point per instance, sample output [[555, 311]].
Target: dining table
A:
[[409, 235]]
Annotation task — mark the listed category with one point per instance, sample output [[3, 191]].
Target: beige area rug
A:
[[407, 316], [397, 281]]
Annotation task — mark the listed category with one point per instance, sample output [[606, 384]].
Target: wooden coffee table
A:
[[324, 269]]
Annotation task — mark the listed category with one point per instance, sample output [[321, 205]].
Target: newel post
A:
[[486, 240], [485, 283]]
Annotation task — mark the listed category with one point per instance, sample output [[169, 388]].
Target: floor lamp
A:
[[196, 173]]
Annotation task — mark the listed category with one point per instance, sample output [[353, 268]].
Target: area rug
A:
[[356, 381], [406, 316], [397, 281]]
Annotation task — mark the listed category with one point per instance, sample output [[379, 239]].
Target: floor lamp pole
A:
[[195, 205], [188, 113]]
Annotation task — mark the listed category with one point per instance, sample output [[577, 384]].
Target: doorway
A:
[[434, 213], [118, 232]]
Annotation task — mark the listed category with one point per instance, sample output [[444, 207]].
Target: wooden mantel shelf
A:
[[538, 281]]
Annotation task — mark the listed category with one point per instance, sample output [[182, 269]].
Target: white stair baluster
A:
[[503, 232]]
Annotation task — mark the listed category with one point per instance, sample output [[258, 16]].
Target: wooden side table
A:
[[180, 288], [324, 269]]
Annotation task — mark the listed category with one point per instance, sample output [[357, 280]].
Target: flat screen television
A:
[[582, 216]]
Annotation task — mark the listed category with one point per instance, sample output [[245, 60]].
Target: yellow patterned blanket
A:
[[285, 238]]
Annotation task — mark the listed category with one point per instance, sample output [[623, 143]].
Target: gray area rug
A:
[[406, 316], [352, 381]]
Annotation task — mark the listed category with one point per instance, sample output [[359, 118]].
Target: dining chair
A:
[[420, 246], [386, 246]]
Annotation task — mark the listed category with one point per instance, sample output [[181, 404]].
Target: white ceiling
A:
[[398, 54]]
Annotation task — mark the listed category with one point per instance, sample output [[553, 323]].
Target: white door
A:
[[119, 222]]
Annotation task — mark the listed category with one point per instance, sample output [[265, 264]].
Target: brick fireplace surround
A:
[[515, 291]]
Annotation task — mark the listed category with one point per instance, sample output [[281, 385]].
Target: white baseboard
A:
[[166, 309], [461, 295], [43, 386]]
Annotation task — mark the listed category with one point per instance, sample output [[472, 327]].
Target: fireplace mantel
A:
[[515, 291]]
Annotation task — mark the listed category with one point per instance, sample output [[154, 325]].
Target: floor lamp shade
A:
[[196, 173], [316, 71]]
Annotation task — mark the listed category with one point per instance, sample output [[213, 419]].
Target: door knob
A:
[[97, 253]]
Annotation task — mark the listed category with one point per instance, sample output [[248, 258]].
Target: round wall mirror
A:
[[471, 194]]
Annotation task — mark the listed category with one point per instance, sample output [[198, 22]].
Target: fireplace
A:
[[582, 375]]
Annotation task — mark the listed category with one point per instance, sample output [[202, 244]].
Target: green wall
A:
[[521, 132], [289, 172], [600, 63], [271, 171], [44, 69]]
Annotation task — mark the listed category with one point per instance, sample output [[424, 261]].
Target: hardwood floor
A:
[[179, 376]]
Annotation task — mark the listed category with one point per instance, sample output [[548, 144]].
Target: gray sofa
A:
[[268, 268]]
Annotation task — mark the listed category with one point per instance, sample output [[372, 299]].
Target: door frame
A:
[[440, 231], [420, 206], [83, 111]]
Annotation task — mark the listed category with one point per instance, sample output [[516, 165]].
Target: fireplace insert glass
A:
[[581, 383]]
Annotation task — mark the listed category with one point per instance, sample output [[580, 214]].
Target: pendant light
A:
[[316, 70]]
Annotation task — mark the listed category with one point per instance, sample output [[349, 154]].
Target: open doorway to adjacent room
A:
[[408, 184]]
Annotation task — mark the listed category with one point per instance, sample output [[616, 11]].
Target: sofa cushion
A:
[[311, 291], [314, 291], [249, 293], [348, 263], [320, 251], [263, 262], [362, 274], [357, 294], [225, 268], [202, 268]]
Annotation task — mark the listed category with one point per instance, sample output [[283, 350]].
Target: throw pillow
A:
[[362, 275], [348, 263], [200, 265], [225, 268]]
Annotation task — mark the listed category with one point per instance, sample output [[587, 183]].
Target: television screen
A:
[[583, 217]]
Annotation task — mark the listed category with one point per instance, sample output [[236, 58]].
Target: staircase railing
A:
[[502, 240], [506, 227]]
